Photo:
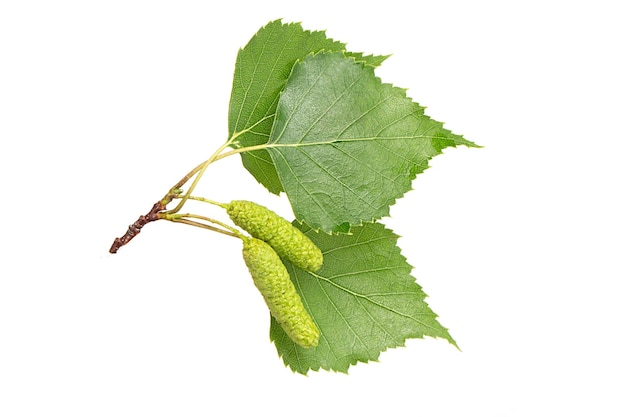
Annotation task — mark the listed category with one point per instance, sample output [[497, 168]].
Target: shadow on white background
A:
[[519, 245]]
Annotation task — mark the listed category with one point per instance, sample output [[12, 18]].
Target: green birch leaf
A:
[[363, 300], [261, 71], [345, 145]]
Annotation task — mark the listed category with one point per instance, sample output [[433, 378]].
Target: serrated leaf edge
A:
[[418, 109], [402, 343]]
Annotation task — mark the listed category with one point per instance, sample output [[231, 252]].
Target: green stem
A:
[[204, 226], [200, 169], [206, 200], [184, 218], [198, 172], [242, 150]]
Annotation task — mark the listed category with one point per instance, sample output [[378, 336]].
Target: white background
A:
[[519, 245]]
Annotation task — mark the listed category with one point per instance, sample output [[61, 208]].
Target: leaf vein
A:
[[381, 305]]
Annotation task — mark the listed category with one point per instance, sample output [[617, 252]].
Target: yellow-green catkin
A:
[[289, 242], [272, 279]]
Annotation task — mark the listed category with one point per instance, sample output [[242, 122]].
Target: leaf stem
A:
[[198, 171], [242, 150]]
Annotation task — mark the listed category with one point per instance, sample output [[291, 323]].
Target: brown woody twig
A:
[[135, 228]]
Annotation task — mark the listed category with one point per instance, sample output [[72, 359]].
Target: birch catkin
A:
[[272, 280], [289, 242]]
